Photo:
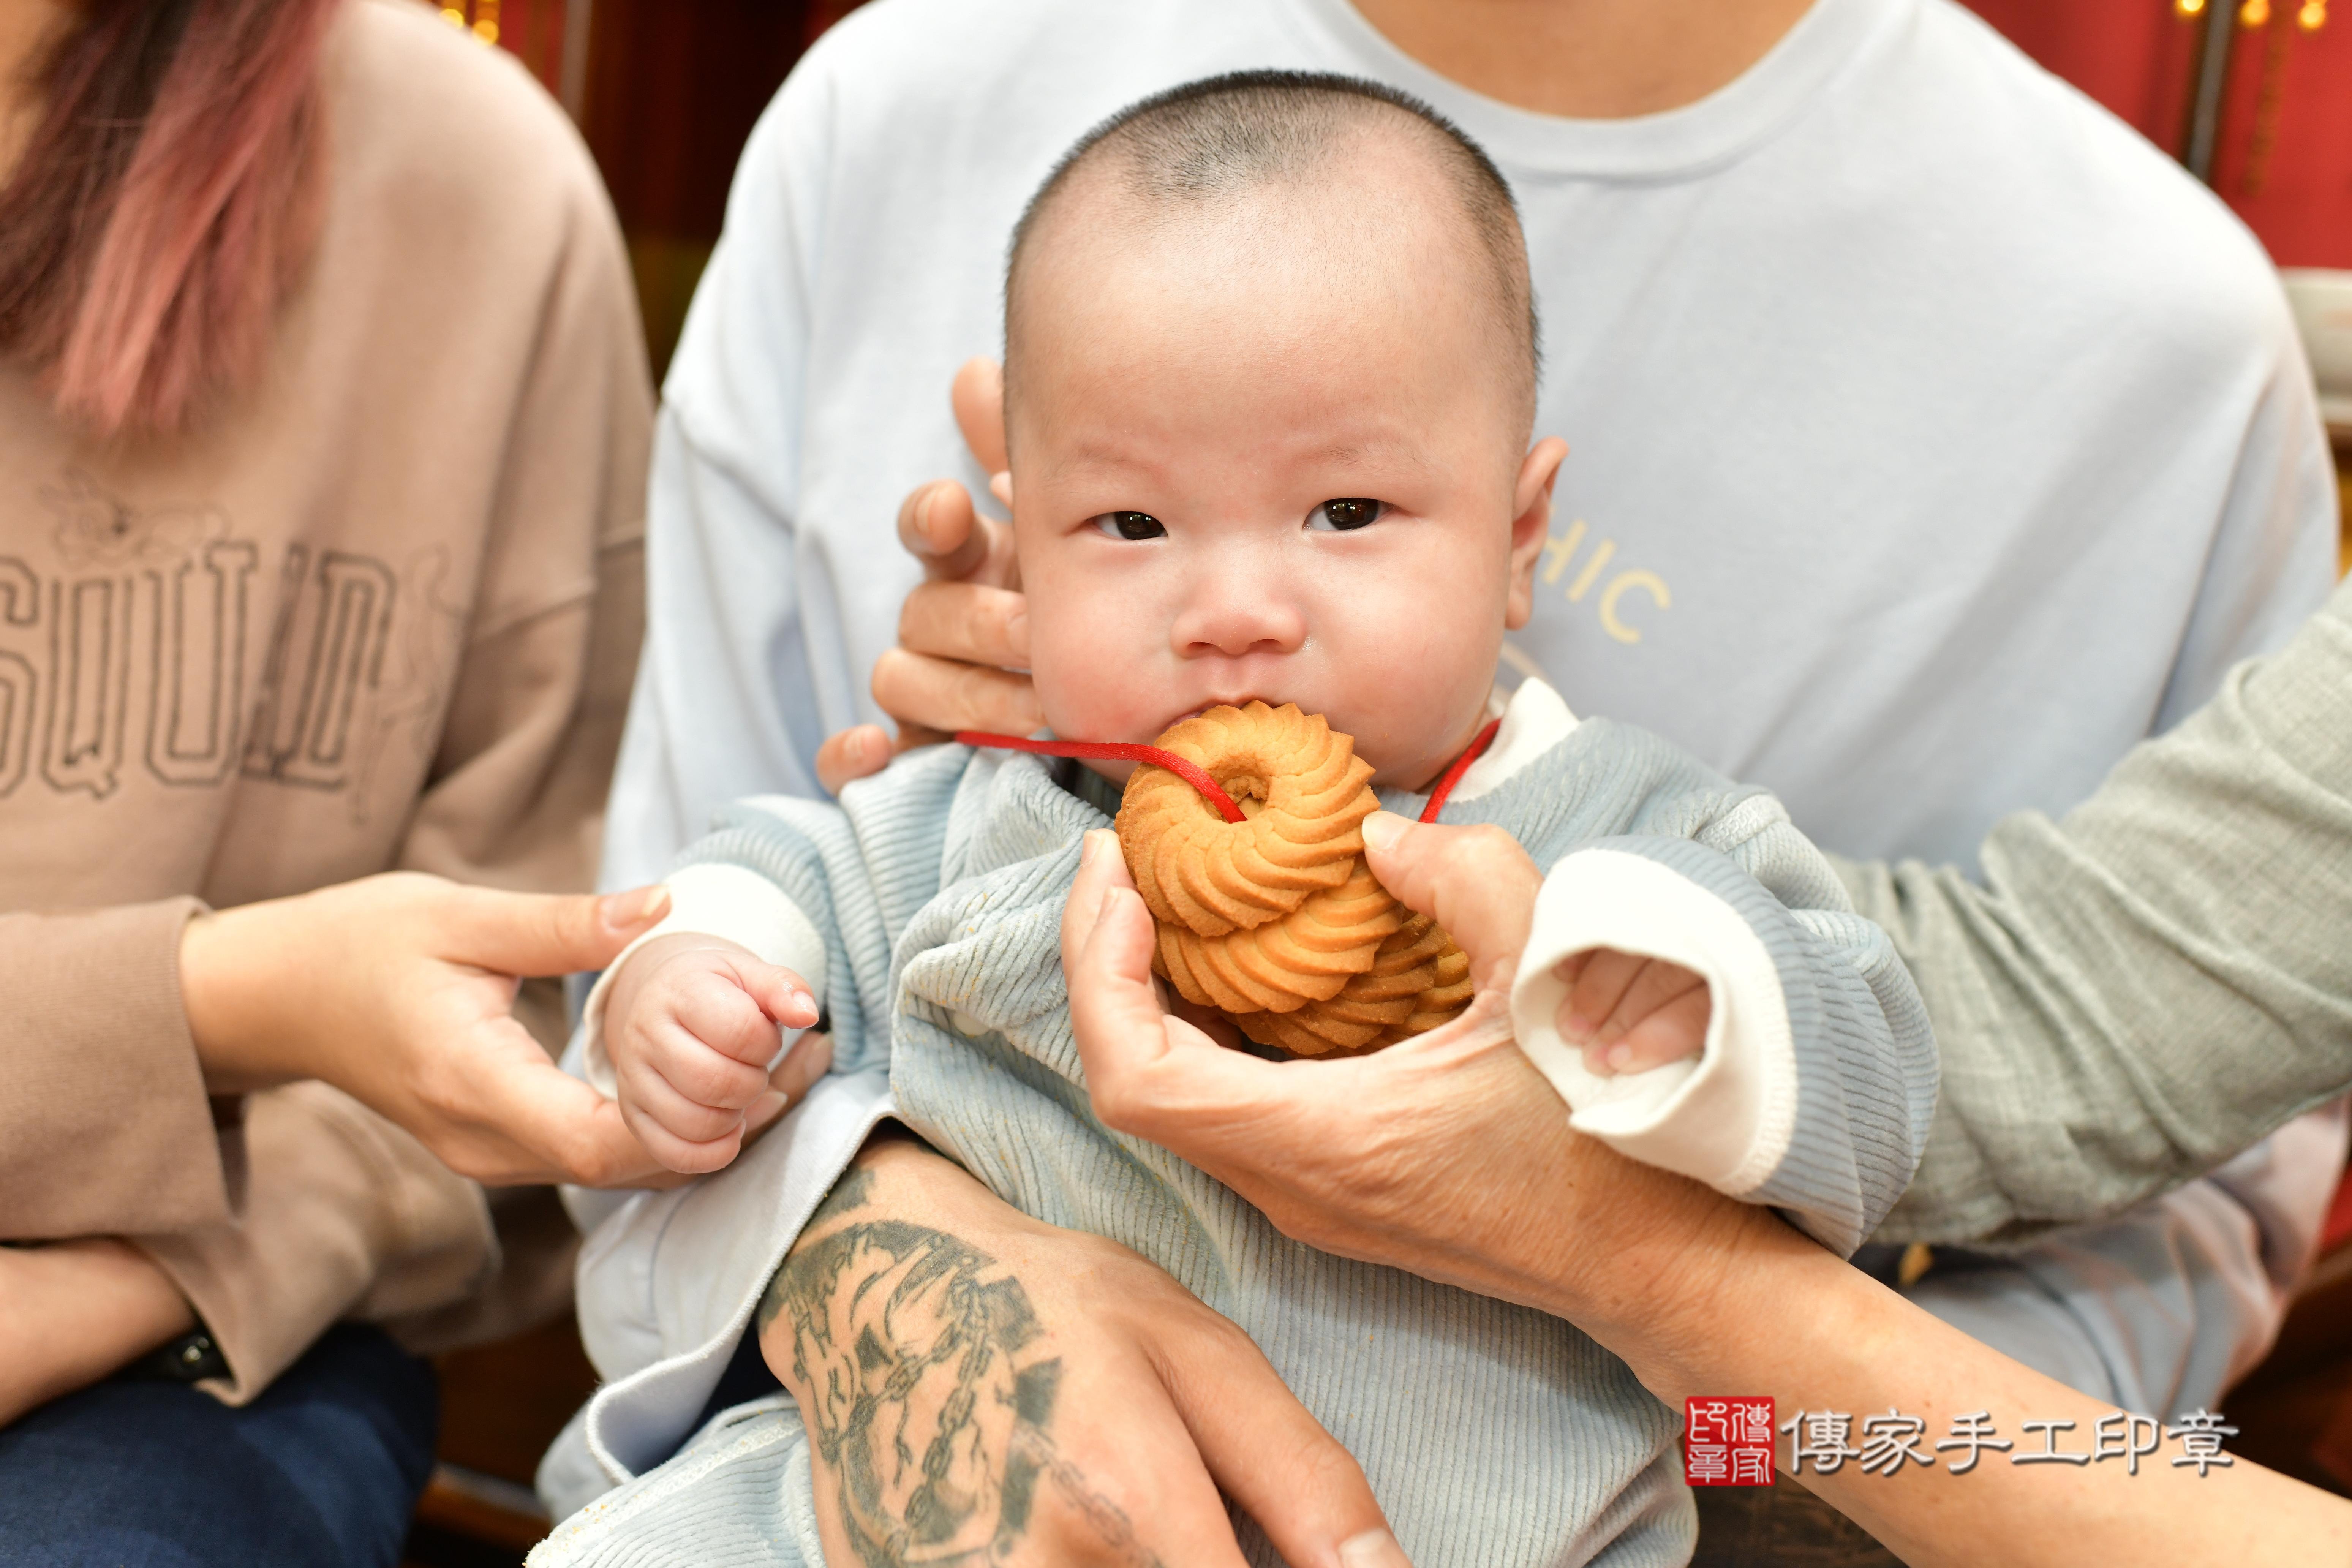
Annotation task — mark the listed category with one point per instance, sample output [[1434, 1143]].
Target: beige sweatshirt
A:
[[383, 613]]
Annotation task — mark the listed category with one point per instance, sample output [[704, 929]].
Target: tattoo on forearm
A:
[[848, 1195], [928, 1392]]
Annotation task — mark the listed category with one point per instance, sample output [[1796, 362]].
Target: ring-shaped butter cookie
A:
[[1277, 920]]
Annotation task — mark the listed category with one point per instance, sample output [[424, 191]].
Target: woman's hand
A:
[[1447, 1155], [962, 656], [985, 1384], [398, 990], [74, 1311]]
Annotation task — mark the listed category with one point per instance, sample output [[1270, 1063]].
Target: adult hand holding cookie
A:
[[1448, 1155], [1431, 1155]]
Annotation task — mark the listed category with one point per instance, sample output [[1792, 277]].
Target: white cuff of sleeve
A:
[[1725, 1119], [730, 901]]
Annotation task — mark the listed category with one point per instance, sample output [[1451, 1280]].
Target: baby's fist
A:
[[692, 1024], [1631, 1013]]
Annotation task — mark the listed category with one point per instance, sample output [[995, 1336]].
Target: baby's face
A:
[[1279, 456]]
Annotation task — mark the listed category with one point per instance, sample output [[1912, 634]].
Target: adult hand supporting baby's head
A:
[[1446, 1154], [963, 638]]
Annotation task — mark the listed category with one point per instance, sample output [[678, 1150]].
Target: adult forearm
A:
[[1781, 1318], [2137, 991], [75, 1311]]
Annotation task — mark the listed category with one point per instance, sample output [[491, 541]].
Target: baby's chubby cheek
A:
[[1408, 685], [1100, 676]]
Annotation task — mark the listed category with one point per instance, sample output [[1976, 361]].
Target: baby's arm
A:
[[1814, 1079], [786, 909]]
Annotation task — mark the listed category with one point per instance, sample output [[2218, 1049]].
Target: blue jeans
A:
[[323, 1468]]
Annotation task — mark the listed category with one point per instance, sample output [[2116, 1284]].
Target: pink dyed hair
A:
[[164, 205]]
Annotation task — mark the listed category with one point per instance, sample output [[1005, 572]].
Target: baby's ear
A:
[[1531, 525], [999, 485]]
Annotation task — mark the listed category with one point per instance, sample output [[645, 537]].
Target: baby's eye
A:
[[1129, 525], [1348, 512]]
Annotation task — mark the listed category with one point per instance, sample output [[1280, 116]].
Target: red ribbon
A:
[[1199, 777], [1460, 766], [1117, 752]]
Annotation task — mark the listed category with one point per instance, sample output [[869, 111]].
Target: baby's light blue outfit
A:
[[1493, 1435]]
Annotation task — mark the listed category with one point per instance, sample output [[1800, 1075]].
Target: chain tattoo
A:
[[928, 1392]]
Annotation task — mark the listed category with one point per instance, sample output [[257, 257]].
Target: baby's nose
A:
[[1239, 613]]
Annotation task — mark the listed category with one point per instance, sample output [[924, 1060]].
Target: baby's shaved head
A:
[[1208, 148]]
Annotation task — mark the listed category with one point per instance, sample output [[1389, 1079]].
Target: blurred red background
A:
[[2283, 157]]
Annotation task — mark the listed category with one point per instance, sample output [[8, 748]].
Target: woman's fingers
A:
[[1270, 1455], [947, 695], [1476, 881], [398, 990], [496, 1109], [538, 933]]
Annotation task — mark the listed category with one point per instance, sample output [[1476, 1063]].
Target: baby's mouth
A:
[[1243, 700]]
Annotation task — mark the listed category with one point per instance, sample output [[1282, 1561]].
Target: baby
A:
[[1269, 375]]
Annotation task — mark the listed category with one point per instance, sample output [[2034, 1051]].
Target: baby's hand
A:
[[1631, 1013], [691, 1025]]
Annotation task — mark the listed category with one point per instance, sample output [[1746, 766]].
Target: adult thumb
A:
[[530, 1122], [1476, 882], [530, 934]]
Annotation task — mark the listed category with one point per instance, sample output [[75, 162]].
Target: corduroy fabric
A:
[[737, 1496]]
